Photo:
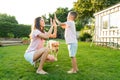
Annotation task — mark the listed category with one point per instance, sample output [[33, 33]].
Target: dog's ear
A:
[[53, 44], [58, 43]]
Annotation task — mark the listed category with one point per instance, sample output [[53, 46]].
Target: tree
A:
[[10, 30], [61, 14], [86, 8], [8, 18], [9, 27]]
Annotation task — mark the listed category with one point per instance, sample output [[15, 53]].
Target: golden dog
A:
[[54, 47]]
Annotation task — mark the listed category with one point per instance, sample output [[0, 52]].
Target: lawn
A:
[[95, 63]]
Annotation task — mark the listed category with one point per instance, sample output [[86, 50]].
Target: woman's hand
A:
[[54, 24], [51, 23], [55, 17]]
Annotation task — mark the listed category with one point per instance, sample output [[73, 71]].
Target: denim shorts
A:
[[72, 48], [29, 57]]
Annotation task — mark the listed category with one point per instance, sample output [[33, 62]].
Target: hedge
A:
[[13, 30]]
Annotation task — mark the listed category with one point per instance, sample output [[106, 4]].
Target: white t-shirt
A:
[[70, 32]]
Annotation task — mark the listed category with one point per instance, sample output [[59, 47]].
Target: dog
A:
[[54, 47]]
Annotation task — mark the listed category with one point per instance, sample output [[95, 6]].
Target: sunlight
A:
[[26, 10]]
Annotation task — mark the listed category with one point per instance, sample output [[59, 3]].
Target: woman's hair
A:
[[36, 25]]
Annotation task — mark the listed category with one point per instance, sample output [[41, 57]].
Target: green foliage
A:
[[9, 27], [60, 33], [8, 18], [94, 63], [5, 28], [86, 33], [61, 14], [85, 37], [79, 25], [14, 30], [10, 35], [22, 30], [86, 8], [25, 38]]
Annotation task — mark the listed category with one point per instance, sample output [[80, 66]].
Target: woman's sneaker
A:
[[41, 72], [71, 71]]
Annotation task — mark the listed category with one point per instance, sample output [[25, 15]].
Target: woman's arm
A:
[[54, 35], [47, 34]]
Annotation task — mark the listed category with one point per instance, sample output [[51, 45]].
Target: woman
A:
[[36, 49]]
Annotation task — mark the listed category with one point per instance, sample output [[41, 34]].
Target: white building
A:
[[107, 26]]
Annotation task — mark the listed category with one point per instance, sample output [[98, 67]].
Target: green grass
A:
[[95, 63]]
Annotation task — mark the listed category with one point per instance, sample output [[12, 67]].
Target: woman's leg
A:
[[42, 53], [39, 53]]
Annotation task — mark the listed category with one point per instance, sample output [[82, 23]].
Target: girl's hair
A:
[[36, 25]]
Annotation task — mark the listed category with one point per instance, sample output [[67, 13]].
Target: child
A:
[[70, 38]]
